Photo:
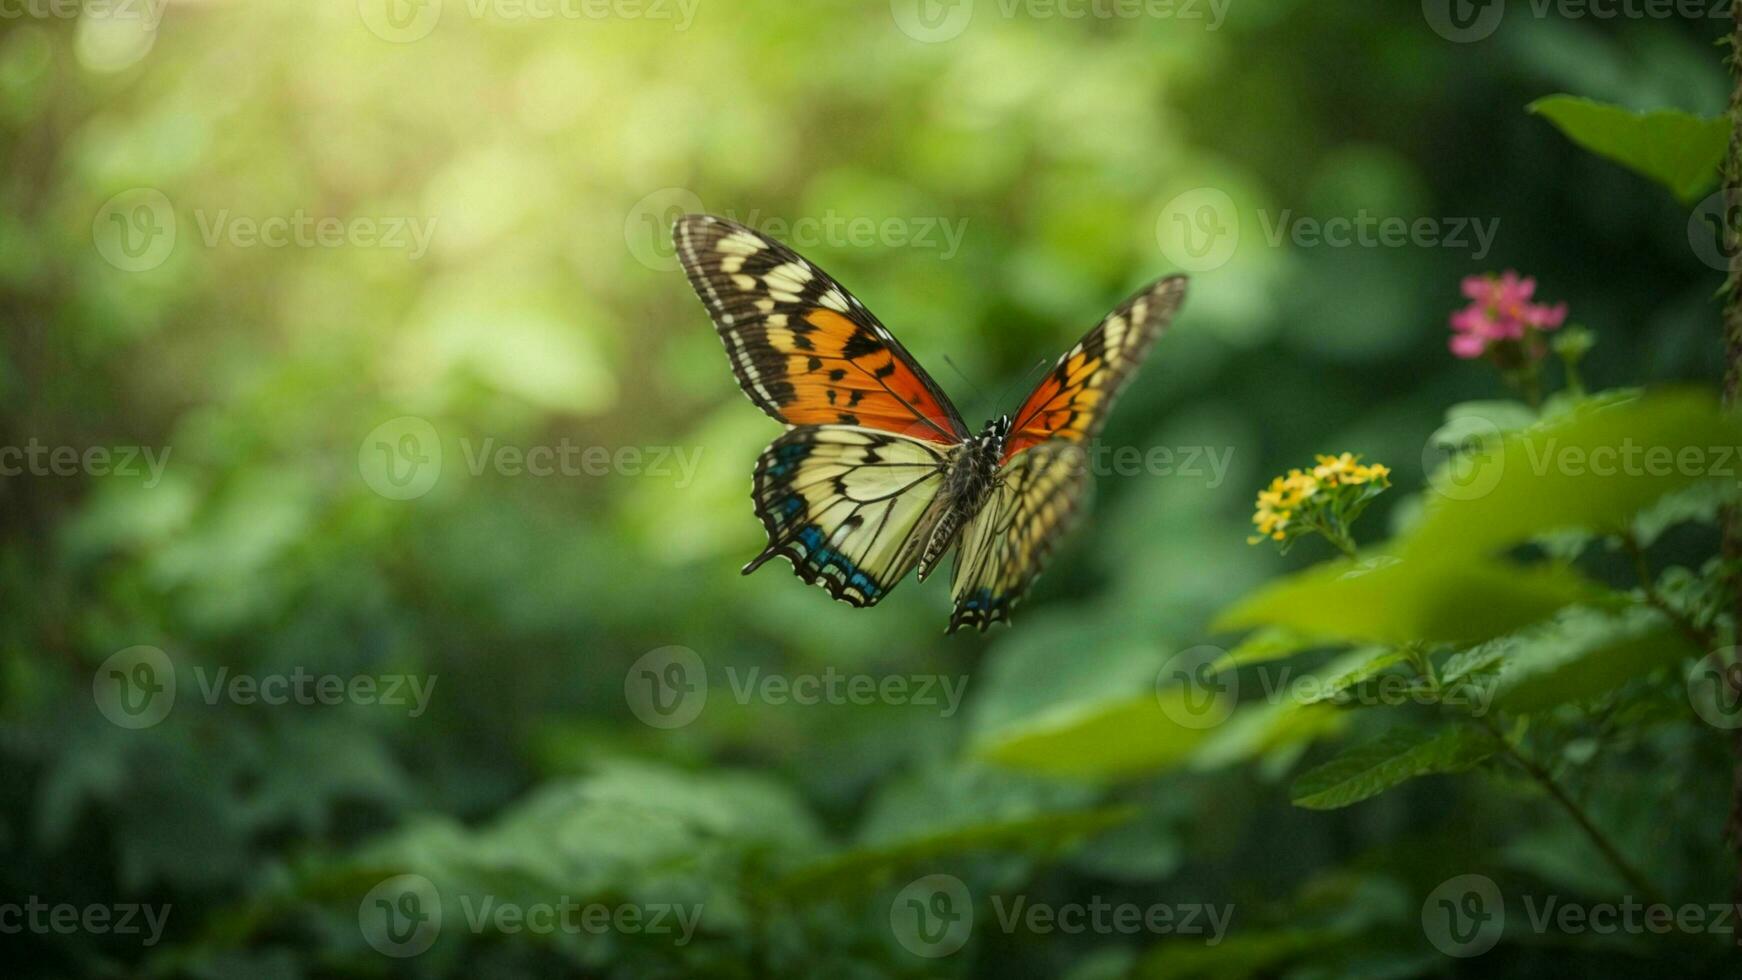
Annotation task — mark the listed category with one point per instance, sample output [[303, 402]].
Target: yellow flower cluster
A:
[[1279, 503], [1346, 470]]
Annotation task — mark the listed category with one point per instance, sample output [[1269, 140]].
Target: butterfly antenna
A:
[[1028, 377], [964, 376]]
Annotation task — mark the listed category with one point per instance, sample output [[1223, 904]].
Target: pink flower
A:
[[1500, 310]]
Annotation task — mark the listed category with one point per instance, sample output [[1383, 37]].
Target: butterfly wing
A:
[[1005, 545], [1044, 471], [1073, 400], [804, 349], [849, 506]]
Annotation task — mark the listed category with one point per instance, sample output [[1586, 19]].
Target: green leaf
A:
[[1586, 653], [1594, 468], [1397, 756], [865, 868], [1266, 645], [1361, 665], [1677, 149], [1383, 599], [1112, 739]]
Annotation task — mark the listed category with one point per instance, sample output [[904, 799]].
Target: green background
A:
[[547, 157]]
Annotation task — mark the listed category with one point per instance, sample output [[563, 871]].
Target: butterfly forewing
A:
[[1045, 473], [803, 348], [1072, 400], [848, 506]]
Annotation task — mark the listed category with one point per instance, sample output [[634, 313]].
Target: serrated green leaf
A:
[[1594, 468], [1586, 653], [1677, 149], [1399, 755]]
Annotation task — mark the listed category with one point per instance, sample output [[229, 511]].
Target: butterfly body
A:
[[877, 475], [972, 476]]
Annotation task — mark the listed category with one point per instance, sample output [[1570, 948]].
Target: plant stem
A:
[[1701, 638], [1732, 327], [1535, 770]]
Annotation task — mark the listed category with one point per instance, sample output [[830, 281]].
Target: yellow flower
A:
[[1346, 470], [1302, 501]]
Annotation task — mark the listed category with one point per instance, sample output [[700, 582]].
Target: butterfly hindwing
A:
[[1004, 546], [803, 348], [1072, 400], [849, 506]]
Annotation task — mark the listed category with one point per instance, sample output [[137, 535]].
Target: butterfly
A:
[[876, 474]]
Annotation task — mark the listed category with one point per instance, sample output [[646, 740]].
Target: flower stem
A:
[[1633, 876]]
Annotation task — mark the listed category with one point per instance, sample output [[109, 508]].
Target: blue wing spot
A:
[[981, 599], [821, 555], [787, 458]]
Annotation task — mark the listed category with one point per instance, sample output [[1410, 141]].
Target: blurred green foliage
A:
[[543, 159]]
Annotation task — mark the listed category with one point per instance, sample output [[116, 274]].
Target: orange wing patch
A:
[[803, 348], [1072, 401]]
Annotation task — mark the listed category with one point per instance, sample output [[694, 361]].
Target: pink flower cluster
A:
[[1500, 310]]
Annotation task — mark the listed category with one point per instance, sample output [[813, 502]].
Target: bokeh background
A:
[[320, 403]]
